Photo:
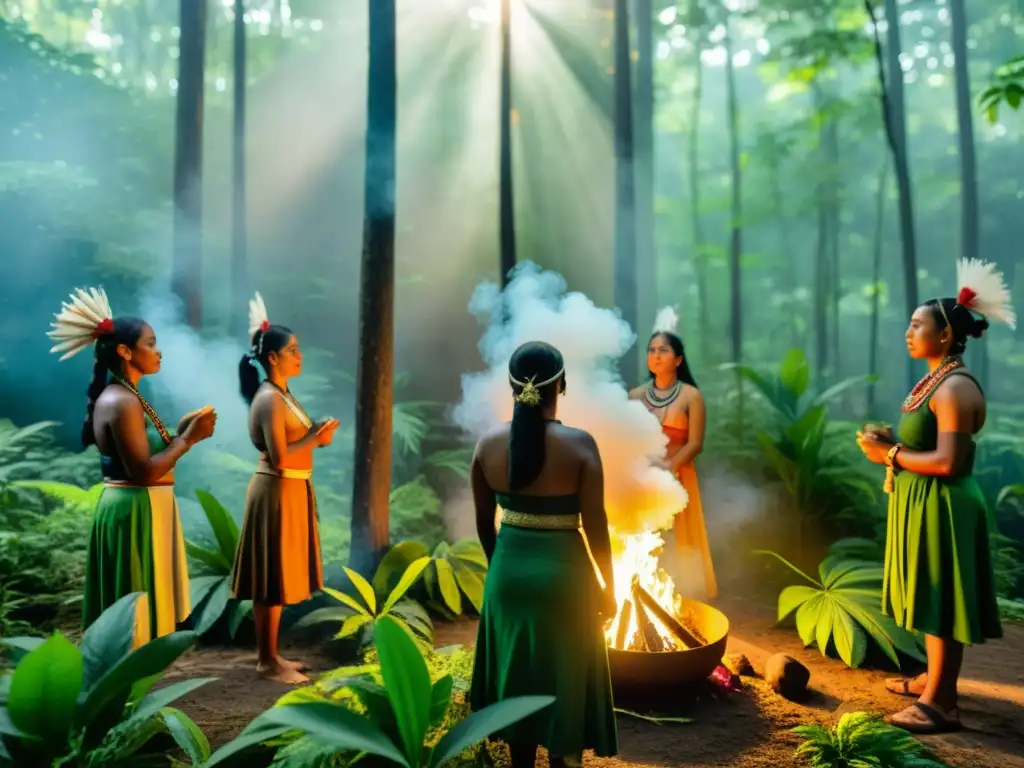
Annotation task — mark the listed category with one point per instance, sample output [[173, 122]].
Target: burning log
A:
[[644, 599], [624, 616], [650, 639]]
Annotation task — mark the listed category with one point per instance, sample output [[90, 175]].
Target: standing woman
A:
[[673, 398], [540, 628], [278, 558], [939, 577], [135, 542]]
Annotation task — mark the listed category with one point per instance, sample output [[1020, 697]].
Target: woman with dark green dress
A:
[[135, 542], [939, 577], [541, 625]]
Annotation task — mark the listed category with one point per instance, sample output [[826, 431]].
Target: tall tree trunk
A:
[[894, 117], [876, 284], [821, 270], [699, 257], [835, 273], [506, 199], [239, 278], [736, 211], [647, 295], [969, 238], [375, 380], [625, 186], [186, 279]]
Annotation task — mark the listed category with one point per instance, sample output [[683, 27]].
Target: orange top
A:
[[677, 436]]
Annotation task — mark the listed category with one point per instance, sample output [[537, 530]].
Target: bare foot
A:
[[907, 687], [280, 674], [298, 666]]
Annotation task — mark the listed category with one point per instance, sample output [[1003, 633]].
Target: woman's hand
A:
[[324, 431], [186, 420], [874, 445], [201, 425], [608, 607]]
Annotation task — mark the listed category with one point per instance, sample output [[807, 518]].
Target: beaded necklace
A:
[[660, 401], [293, 405], [926, 386], [157, 422]]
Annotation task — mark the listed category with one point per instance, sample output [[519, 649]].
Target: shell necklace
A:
[[658, 400]]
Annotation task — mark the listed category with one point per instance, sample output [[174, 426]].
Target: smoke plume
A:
[[536, 307]]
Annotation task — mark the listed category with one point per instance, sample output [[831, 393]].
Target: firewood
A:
[[644, 598], [649, 633], [625, 614]]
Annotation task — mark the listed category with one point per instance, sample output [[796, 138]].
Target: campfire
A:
[[658, 636]]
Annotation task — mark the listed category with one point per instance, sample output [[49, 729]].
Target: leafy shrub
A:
[[455, 570], [859, 740]]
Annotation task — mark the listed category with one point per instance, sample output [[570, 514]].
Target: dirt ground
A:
[[747, 729]]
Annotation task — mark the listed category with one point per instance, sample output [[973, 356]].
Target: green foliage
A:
[[211, 571], [1007, 88], [843, 610], [456, 570], [397, 718], [94, 704], [859, 740], [359, 617]]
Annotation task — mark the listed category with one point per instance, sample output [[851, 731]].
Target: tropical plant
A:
[[359, 617], [1007, 87], [859, 740], [212, 567], [843, 610], [94, 704], [397, 718], [455, 570]]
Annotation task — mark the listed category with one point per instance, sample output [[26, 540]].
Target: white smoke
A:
[[536, 307], [667, 320]]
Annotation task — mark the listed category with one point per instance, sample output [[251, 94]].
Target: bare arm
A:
[[595, 519], [273, 419], [953, 405], [485, 504], [695, 435], [128, 428]]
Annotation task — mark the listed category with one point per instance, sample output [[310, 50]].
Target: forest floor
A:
[[746, 729]]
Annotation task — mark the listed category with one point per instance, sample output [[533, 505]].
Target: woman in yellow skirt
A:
[[673, 397], [278, 558], [135, 541]]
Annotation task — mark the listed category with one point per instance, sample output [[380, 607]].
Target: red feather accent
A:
[[966, 297], [106, 326], [264, 326]]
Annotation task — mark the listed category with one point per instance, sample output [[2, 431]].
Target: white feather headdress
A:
[[81, 321], [667, 321], [982, 289], [258, 319]]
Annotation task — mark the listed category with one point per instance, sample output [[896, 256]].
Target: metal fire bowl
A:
[[636, 670]]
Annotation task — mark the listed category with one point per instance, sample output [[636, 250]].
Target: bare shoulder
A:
[[637, 393], [493, 437], [692, 395], [581, 440], [117, 400], [960, 387]]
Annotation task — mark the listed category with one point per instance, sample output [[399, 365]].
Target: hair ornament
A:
[[259, 322], [982, 289], [667, 321], [82, 320], [529, 393]]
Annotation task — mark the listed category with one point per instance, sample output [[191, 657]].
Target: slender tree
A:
[[646, 257], [371, 485], [239, 259], [186, 280], [736, 209], [625, 184], [506, 199]]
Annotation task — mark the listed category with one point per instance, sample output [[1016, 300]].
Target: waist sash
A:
[[540, 522], [264, 468], [108, 483]]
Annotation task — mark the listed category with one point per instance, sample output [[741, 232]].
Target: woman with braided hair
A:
[[136, 542], [540, 627], [939, 577], [278, 557]]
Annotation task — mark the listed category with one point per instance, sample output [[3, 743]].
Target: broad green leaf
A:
[[394, 564], [353, 624], [108, 640], [794, 373], [471, 583], [186, 734], [807, 619], [337, 726], [364, 589], [412, 573], [793, 597], [352, 603], [257, 732], [240, 610], [164, 697], [200, 588], [407, 681], [823, 624], [448, 586], [849, 639], [440, 699], [44, 691], [214, 607], [211, 560], [225, 530], [470, 551], [479, 725]]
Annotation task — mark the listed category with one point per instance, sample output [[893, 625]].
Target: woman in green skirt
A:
[[541, 625], [136, 543], [939, 577]]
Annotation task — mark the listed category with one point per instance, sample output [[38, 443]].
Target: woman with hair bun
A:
[[278, 557], [135, 542], [938, 577], [540, 628]]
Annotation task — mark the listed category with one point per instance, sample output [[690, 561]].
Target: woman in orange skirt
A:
[[673, 397], [278, 558]]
